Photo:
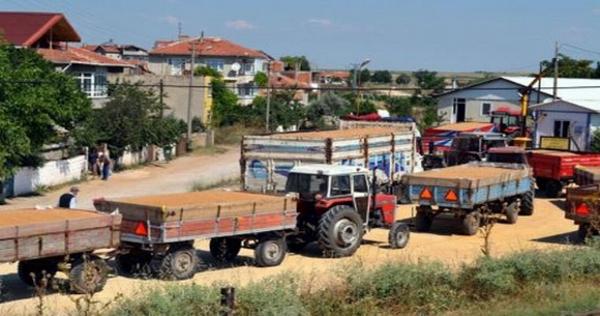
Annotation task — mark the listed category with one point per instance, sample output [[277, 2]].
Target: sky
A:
[[440, 35]]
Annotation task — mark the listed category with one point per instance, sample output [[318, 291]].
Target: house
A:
[[576, 115], [236, 63], [119, 51], [331, 77], [51, 35], [300, 82], [475, 102]]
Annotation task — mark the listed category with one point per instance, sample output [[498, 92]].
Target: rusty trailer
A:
[[159, 231], [45, 241]]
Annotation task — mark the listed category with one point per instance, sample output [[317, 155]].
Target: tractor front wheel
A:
[[340, 231], [399, 235]]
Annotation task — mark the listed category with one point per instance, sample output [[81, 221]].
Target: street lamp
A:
[[357, 68]]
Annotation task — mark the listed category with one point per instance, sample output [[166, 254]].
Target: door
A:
[[361, 195], [459, 108]]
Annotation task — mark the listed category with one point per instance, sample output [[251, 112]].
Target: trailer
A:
[[158, 232], [582, 207], [554, 169], [44, 241], [267, 160], [469, 192]]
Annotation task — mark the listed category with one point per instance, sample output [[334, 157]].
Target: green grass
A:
[[527, 283], [203, 186], [209, 151]]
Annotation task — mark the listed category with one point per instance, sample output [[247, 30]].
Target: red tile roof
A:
[[107, 48], [76, 55], [27, 28], [281, 81], [210, 46]]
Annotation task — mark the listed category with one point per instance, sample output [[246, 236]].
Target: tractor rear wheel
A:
[[471, 223], [270, 252], [423, 218], [340, 231], [399, 235], [225, 249]]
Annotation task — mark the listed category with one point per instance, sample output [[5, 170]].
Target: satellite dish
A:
[[236, 67]]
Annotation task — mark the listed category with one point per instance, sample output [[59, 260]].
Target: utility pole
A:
[[161, 91], [539, 89], [189, 108], [178, 30], [268, 97], [555, 64]]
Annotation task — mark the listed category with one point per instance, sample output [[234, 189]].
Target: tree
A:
[[35, 103], [399, 105], [574, 68], [364, 76], [131, 120], [283, 110], [429, 80], [403, 79], [329, 104], [261, 79], [595, 143], [382, 76], [207, 72], [225, 110], [291, 62]]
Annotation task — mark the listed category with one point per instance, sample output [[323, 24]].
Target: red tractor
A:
[[337, 205]]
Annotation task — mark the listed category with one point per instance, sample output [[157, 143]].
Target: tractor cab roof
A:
[[328, 170]]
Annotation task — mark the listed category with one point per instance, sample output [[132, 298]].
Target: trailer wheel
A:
[[32, 272], [423, 219], [553, 188], [270, 252], [225, 249], [527, 203], [340, 231], [179, 263], [471, 223], [585, 231], [88, 275], [399, 235]]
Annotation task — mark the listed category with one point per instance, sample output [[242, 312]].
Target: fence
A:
[[29, 180]]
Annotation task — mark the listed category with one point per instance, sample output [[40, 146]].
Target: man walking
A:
[[69, 200]]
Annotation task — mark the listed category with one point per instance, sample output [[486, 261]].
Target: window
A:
[[246, 90], [340, 185], [248, 68], [176, 66], [216, 64], [93, 84], [306, 183], [561, 128], [486, 108], [360, 184]]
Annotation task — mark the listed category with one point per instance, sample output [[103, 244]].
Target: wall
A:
[[500, 93], [579, 126], [28, 180], [176, 90]]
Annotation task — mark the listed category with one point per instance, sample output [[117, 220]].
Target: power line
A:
[[581, 49]]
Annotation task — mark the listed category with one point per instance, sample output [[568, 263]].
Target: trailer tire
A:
[[471, 223], [423, 219], [553, 188], [180, 263], [88, 275], [270, 252], [527, 203], [512, 213], [225, 249], [340, 231], [32, 272], [399, 235]]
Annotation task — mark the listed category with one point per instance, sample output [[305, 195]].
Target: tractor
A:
[[337, 204]]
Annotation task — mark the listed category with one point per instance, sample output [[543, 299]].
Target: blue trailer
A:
[[471, 191]]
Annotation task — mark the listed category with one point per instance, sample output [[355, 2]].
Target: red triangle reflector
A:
[[582, 210], [426, 194], [451, 196], [141, 229]]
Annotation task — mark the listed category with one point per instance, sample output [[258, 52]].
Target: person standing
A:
[[106, 163], [69, 199]]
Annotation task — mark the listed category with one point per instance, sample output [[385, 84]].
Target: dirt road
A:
[[546, 229], [178, 175]]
